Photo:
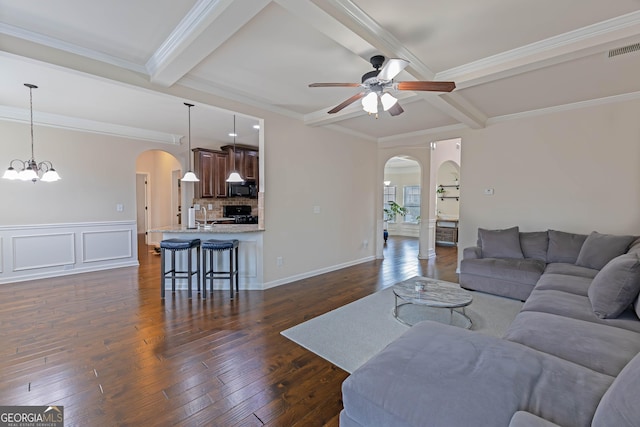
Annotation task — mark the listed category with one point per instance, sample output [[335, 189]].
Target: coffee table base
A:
[[410, 314]]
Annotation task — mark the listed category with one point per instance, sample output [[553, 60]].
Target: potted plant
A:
[[390, 214], [441, 191]]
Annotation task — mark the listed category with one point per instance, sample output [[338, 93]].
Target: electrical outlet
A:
[[488, 191], [210, 207], [279, 261], [119, 207], [365, 243]]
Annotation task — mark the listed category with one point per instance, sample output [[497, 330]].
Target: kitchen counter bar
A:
[[250, 251], [215, 229]]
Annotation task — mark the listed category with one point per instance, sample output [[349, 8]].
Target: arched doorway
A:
[[160, 194], [445, 178], [402, 197]]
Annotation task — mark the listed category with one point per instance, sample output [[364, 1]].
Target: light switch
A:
[[316, 209]]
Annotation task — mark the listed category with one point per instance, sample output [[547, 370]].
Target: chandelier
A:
[[31, 170]]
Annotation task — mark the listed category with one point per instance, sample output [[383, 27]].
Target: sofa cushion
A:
[[500, 243], [619, 405], [477, 379], [560, 282], [534, 244], [598, 249], [576, 307], [595, 346], [616, 286], [564, 247], [570, 270], [516, 270]]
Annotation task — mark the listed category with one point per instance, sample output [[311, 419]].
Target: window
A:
[[412, 203], [389, 196]]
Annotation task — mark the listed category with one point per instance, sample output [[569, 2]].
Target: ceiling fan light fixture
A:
[[388, 101], [370, 103]]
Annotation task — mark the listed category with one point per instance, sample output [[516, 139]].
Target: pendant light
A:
[[30, 169], [189, 176], [234, 176]]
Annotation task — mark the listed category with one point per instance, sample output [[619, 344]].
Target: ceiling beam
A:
[[205, 28]]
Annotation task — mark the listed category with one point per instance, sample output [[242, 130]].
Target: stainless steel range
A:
[[240, 213]]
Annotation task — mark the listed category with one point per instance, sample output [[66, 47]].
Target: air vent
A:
[[624, 50]]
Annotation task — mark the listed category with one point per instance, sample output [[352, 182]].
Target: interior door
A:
[[142, 204]]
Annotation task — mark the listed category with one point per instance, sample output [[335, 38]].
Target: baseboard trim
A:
[[318, 272], [49, 274]]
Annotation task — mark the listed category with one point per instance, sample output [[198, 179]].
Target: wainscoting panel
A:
[[40, 251], [106, 245]]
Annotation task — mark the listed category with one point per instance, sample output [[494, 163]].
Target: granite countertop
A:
[[217, 228]]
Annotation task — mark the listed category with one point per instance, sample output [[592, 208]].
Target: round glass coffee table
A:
[[422, 298]]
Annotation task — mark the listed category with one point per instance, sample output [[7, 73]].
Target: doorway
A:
[[402, 190], [162, 191]]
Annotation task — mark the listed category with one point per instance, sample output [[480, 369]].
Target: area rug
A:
[[350, 335]]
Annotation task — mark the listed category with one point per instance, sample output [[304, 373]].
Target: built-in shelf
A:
[[442, 186]]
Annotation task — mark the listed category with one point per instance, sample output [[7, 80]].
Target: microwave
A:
[[243, 189]]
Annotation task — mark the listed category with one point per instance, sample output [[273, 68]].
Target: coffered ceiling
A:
[[508, 58]]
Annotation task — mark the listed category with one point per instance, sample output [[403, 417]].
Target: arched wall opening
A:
[[161, 195]]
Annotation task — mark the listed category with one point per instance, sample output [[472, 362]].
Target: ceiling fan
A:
[[379, 82]]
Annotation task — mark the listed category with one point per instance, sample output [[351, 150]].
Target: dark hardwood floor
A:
[[105, 347]]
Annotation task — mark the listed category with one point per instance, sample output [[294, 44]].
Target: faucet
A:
[[205, 215]]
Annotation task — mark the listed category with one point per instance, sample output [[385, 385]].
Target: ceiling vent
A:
[[624, 50]]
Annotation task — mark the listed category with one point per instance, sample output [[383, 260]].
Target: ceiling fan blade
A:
[[431, 86], [335, 85], [349, 101], [396, 109], [392, 68]]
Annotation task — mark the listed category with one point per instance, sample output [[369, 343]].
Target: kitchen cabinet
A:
[[211, 167], [246, 160]]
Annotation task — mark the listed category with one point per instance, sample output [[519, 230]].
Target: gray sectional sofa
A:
[[570, 358]]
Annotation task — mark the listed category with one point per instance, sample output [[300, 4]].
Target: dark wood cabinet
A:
[[211, 168], [221, 171], [246, 160]]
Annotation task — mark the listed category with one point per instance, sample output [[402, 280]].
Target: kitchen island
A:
[[249, 251]]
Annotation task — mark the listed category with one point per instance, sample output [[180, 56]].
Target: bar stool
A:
[[173, 246], [208, 249]]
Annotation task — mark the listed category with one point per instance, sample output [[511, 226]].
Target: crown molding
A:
[[566, 107], [21, 115]]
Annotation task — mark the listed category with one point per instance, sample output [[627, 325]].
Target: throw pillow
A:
[[534, 244], [500, 243], [615, 286], [564, 247], [598, 249]]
